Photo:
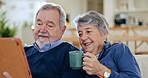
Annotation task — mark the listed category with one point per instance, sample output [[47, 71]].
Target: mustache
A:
[[43, 35]]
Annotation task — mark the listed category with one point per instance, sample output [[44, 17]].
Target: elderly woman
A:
[[101, 58]]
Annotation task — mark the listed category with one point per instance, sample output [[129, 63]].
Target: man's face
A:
[[47, 26], [90, 39]]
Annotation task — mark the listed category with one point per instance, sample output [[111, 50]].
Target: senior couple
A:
[[48, 56]]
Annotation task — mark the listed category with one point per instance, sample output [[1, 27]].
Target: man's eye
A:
[[79, 34], [50, 26], [39, 23]]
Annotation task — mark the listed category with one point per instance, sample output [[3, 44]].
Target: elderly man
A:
[[48, 56]]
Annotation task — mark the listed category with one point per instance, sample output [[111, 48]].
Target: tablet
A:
[[13, 58]]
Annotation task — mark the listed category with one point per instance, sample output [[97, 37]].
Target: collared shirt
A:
[[47, 46], [53, 63], [120, 60], [97, 55]]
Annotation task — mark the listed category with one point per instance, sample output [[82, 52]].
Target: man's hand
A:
[[7, 75]]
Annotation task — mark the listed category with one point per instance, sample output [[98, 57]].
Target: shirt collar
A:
[[105, 46], [47, 46]]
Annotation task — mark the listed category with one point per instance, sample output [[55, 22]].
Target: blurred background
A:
[[124, 16], [128, 20]]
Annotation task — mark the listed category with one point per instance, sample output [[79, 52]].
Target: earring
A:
[[106, 40]]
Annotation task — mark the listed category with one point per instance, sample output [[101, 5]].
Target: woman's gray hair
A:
[[49, 6], [92, 18]]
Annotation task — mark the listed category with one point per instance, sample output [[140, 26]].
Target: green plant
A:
[[5, 30]]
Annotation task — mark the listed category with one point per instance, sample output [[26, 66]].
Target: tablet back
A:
[[13, 58]]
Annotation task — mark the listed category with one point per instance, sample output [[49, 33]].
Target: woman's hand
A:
[[7, 75], [92, 66]]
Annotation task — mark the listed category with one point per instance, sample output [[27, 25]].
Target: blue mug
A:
[[76, 59]]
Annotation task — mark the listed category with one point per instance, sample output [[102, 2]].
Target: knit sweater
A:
[[52, 64]]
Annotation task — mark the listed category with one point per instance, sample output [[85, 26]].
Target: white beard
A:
[[41, 42]]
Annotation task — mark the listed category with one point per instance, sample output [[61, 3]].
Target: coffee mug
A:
[[75, 59]]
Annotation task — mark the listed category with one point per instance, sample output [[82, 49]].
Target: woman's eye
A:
[[39, 24], [88, 31], [50, 25]]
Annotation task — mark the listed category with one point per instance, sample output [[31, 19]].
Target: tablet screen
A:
[[13, 59]]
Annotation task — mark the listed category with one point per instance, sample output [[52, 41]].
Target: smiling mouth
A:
[[86, 44]]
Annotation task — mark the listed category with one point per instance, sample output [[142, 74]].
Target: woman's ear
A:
[[105, 36]]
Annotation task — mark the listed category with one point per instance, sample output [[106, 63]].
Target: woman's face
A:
[[91, 39]]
